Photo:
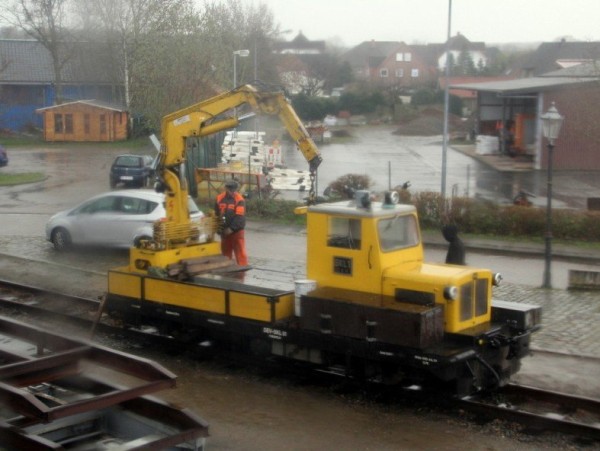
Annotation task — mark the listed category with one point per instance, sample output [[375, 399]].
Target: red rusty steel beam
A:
[[61, 366], [36, 335], [15, 371], [69, 362], [102, 401], [10, 357], [22, 401], [186, 426], [17, 439], [133, 365]]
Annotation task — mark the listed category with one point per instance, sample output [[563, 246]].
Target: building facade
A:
[[27, 80]]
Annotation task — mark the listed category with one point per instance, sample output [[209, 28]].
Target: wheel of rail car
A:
[[61, 239]]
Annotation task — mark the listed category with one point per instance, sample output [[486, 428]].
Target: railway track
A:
[[535, 410], [83, 314]]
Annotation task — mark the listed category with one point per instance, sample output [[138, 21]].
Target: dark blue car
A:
[[3, 157], [131, 170]]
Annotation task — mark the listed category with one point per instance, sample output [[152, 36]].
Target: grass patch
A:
[[19, 179], [12, 141]]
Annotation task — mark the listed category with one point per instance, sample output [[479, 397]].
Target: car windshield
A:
[[129, 161]]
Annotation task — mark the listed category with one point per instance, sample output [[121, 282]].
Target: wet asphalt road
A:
[[76, 173], [391, 160]]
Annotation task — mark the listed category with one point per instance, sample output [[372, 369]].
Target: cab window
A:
[[397, 232], [344, 233]]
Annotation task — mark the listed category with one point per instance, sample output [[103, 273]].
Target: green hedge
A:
[[472, 216], [487, 218]]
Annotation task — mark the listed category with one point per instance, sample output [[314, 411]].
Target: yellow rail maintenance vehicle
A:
[[371, 307]]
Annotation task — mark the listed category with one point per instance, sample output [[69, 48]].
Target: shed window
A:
[[69, 123], [383, 73], [58, 123], [408, 57], [86, 124], [414, 73], [399, 73], [103, 124]]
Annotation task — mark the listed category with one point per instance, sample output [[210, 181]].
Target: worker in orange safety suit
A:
[[230, 207]]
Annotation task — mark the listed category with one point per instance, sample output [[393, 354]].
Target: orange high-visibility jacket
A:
[[232, 208]]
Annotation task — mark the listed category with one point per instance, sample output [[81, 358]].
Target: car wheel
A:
[[138, 241], [61, 239]]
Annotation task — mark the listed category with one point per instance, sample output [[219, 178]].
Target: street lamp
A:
[[236, 53], [551, 123], [446, 106]]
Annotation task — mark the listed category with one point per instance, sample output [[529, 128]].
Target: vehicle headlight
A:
[[451, 293], [496, 279]]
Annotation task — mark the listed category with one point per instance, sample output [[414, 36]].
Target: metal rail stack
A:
[[61, 393]]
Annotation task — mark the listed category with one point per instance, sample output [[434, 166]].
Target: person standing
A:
[[456, 249], [230, 207]]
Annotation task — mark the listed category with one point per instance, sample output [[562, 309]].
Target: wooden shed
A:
[[84, 120]]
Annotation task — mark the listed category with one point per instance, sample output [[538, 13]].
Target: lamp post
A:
[[243, 53], [446, 106], [551, 123]]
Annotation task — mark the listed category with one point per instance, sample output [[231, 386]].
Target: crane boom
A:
[[205, 118]]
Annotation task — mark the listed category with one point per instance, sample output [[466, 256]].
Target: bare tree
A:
[[176, 52], [44, 21], [138, 32]]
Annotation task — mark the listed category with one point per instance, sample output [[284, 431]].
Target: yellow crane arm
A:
[[199, 120], [202, 119]]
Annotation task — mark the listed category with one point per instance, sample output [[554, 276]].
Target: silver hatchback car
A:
[[115, 219]]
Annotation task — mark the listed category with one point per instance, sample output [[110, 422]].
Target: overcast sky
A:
[[426, 21]]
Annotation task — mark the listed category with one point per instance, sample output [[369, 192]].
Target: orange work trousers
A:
[[235, 244]]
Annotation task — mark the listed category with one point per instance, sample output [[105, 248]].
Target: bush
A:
[[487, 218], [345, 186], [473, 216]]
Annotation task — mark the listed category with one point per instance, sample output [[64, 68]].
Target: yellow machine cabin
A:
[[375, 249]]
